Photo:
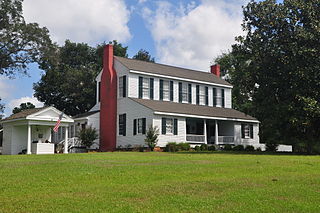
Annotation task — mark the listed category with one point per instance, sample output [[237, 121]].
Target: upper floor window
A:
[[202, 95], [123, 86], [145, 87], [185, 92], [246, 130], [166, 90], [218, 97], [122, 124]]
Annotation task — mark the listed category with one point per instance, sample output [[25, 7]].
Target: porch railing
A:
[[196, 138], [225, 139]]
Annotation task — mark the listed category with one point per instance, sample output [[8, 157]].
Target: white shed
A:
[[30, 130]]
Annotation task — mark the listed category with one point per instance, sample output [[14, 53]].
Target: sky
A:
[[185, 33]]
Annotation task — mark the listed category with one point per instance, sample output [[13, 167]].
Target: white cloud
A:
[[16, 102], [193, 35], [80, 20]]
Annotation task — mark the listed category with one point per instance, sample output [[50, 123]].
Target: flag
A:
[[56, 127]]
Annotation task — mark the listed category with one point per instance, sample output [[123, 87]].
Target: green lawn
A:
[[159, 182]]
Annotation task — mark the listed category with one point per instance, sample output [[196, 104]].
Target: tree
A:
[[152, 137], [1, 110], [280, 72], [23, 106], [69, 81], [88, 136], [20, 43], [143, 55]]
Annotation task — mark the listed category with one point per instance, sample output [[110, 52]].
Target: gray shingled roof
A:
[[192, 109], [23, 113], [172, 71], [86, 114]]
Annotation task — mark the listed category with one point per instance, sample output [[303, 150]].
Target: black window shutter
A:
[[161, 89], [140, 86], [190, 93], [151, 88], [222, 97], [163, 126], [214, 97], [171, 90], [134, 126], [144, 122], [207, 95], [99, 90], [124, 124], [251, 131], [242, 130], [180, 92], [175, 127], [124, 93], [197, 94]]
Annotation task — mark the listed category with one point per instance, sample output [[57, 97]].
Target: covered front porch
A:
[[209, 131]]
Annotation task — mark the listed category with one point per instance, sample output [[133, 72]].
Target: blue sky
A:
[[187, 33]]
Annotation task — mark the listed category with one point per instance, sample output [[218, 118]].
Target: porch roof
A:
[[193, 110]]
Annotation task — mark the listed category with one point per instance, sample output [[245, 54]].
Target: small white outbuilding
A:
[[31, 130]]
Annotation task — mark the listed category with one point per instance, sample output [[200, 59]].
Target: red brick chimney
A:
[[215, 69], [108, 102]]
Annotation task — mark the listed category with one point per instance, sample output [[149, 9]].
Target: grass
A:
[[159, 182]]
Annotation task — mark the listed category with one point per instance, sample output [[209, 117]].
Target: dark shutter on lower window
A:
[[189, 93], [222, 97], [214, 96], [140, 86], [180, 92], [163, 126], [124, 93], [171, 90], [161, 89], [207, 95], [144, 122], [251, 131], [242, 131], [175, 127], [134, 126], [151, 88], [124, 124], [197, 94]]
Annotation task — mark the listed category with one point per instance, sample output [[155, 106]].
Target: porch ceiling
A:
[[192, 109]]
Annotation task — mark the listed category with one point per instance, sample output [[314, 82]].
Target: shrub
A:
[[259, 149], [197, 148], [204, 147], [171, 147], [238, 148], [249, 148], [227, 147], [211, 148], [87, 136], [183, 146], [272, 147], [152, 137]]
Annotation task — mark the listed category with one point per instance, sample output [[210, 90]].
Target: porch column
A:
[[66, 141], [29, 140], [205, 131], [216, 139]]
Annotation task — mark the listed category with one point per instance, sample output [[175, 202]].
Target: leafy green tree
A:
[[88, 136], [143, 55], [277, 67], [152, 137], [20, 43], [69, 80], [23, 106], [1, 111]]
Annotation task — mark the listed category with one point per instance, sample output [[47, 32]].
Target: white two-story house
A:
[[185, 105]]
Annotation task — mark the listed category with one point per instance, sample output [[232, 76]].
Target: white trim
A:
[[179, 79], [205, 117]]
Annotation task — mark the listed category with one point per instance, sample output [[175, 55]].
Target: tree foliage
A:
[[88, 136], [20, 43], [69, 80], [143, 55], [23, 106], [1, 110], [275, 69]]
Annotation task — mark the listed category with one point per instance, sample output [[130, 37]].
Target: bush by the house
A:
[[87, 136], [249, 148], [227, 147], [204, 147], [211, 148], [197, 148], [238, 148], [183, 146], [152, 137], [171, 147]]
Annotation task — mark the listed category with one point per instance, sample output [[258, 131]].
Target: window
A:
[[122, 124], [246, 130], [169, 126], [139, 126], [218, 97], [184, 90], [145, 87], [166, 90], [122, 86], [202, 95]]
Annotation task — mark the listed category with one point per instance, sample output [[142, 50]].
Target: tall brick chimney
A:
[[108, 102], [215, 69]]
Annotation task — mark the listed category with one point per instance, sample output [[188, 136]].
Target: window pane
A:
[[169, 125], [140, 125]]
